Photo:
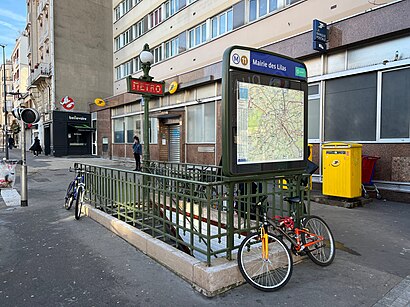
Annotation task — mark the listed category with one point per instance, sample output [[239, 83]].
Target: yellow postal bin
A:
[[342, 169]]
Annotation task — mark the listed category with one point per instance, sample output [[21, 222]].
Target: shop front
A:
[[72, 133]]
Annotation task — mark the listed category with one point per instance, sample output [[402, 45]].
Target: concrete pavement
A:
[[47, 258]]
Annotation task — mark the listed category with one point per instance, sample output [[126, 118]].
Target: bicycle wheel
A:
[[265, 274], [69, 197], [79, 202], [322, 252]]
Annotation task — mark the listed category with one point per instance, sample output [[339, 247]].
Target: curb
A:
[[210, 281]]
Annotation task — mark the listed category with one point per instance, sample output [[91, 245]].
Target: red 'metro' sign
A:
[[138, 86]]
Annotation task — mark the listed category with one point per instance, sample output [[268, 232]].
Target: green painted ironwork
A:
[[192, 207]]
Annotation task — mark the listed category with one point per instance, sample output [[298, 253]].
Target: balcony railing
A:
[[41, 5], [41, 72]]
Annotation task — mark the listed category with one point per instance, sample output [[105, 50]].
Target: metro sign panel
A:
[[138, 86]]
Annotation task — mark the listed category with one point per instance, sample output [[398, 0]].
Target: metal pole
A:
[[24, 196], [5, 102], [146, 155]]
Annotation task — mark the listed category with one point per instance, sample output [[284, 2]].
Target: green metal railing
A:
[[192, 207]]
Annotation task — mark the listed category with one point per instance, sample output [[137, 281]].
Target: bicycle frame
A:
[[296, 241]]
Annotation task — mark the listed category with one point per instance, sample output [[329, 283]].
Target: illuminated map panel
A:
[[270, 123]]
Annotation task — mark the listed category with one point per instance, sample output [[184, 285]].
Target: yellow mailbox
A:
[[342, 169]]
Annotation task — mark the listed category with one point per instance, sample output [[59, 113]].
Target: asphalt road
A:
[[47, 258]]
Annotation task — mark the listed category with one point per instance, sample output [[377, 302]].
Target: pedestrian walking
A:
[[36, 147], [11, 142], [137, 150]]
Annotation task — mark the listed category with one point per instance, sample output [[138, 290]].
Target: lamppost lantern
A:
[[146, 56]]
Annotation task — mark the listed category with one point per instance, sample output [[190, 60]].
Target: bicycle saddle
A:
[[293, 200]]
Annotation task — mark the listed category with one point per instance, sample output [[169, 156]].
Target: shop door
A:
[[174, 152], [47, 140], [94, 139]]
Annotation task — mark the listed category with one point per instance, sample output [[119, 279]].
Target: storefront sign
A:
[[173, 87], [138, 86], [99, 102], [67, 103]]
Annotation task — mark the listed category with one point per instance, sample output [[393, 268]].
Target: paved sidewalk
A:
[[47, 258]]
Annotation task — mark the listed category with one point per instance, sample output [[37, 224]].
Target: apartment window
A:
[[222, 23], [197, 35], [124, 69], [138, 29], [155, 17], [171, 48], [137, 64], [124, 7], [117, 12], [395, 108], [171, 7], [158, 54], [259, 8], [201, 123], [117, 43]]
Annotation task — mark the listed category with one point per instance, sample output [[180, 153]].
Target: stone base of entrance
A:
[[210, 281]]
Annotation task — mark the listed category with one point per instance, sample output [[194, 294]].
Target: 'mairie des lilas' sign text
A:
[[138, 86]]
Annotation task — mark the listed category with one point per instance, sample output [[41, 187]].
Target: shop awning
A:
[[82, 127]]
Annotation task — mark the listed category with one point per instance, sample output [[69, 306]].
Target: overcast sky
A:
[[13, 17]]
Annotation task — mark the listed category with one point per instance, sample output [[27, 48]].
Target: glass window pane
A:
[[197, 35], [313, 89], [191, 39], [252, 10], [203, 38], [194, 119], [214, 27], [351, 102], [273, 5], [209, 122], [395, 112], [153, 137], [229, 15], [263, 7], [222, 24], [314, 119], [119, 130]]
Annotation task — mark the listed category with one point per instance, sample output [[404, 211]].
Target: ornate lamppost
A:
[[146, 58]]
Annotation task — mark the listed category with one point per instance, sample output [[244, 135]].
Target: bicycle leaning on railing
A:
[[265, 261], [75, 193]]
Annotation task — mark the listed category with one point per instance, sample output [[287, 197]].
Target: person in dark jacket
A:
[[11, 142], [36, 147], [137, 150]]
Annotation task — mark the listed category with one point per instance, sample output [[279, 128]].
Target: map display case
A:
[[264, 112]]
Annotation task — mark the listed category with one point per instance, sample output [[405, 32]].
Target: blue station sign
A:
[[320, 35], [267, 63]]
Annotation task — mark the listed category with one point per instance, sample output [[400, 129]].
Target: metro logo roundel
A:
[[67, 103]]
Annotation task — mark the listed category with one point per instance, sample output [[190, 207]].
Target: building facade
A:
[[6, 70], [20, 73], [70, 60], [358, 89]]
